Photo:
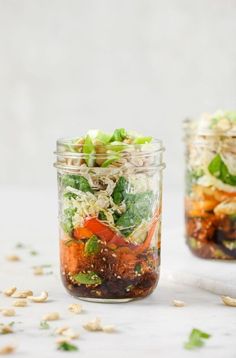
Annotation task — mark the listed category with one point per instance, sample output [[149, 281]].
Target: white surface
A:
[[70, 65], [146, 328]]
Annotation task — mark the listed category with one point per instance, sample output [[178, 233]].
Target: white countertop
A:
[[147, 328]]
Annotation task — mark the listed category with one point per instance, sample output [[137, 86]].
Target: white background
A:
[[70, 65]]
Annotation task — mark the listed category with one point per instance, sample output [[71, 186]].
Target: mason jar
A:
[[210, 199], [110, 220]]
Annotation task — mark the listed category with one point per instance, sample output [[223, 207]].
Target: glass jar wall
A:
[[110, 219]]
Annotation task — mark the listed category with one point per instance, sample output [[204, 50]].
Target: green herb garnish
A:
[[44, 325], [219, 170], [89, 278], [119, 135], [66, 346], [196, 339], [92, 246], [77, 182]]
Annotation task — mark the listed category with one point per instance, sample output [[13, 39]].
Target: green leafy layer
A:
[[219, 170]]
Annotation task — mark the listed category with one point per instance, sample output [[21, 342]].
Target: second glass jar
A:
[[210, 200]]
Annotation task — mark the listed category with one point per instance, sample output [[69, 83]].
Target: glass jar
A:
[[210, 199], [110, 221]]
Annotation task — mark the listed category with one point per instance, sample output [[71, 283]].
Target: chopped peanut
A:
[[38, 271], [5, 329], [7, 349], [178, 303], [8, 312], [229, 301], [22, 294], [13, 258], [9, 291], [20, 303], [38, 299], [75, 308], [108, 329], [53, 316], [93, 326]]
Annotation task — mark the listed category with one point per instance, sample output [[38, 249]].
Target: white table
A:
[[147, 328]]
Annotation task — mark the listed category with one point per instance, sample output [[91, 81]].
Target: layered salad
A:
[[110, 200], [211, 185]]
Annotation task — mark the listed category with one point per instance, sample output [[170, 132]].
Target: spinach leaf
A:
[[119, 191], [92, 246], [90, 278], [67, 224], [138, 207], [76, 181], [219, 170]]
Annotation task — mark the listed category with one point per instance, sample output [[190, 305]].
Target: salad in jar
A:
[[210, 201], [110, 214]]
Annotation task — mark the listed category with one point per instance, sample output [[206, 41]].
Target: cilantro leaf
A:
[[77, 182], [219, 170], [196, 339]]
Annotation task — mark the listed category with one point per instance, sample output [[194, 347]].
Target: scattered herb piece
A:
[[66, 346], [196, 339], [33, 252], [90, 278], [44, 325], [20, 245]]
